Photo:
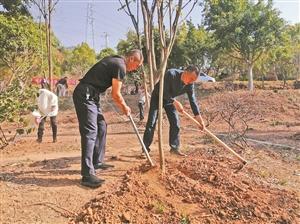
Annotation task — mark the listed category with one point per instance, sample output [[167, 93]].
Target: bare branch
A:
[[190, 11], [123, 7], [188, 2], [53, 6]]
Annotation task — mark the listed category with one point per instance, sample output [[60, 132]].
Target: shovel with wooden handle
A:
[[216, 138], [141, 141]]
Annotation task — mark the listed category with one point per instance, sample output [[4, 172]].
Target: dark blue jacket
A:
[[173, 86]]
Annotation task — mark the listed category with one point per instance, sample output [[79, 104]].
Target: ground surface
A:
[[39, 183]]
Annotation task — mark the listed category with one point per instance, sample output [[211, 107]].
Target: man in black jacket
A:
[[109, 72], [176, 82]]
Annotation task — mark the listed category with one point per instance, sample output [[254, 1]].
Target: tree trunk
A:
[[163, 67], [11, 78], [298, 74], [250, 77], [49, 45], [146, 91], [13, 71]]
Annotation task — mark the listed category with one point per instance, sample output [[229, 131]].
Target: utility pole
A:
[[90, 23], [106, 39]]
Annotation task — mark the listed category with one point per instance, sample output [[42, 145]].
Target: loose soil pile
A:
[[202, 188], [40, 183]]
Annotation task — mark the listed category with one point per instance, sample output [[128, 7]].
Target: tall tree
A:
[[82, 58], [16, 7], [245, 28], [46, 8], [168, 13], [105, 52], [135, 18]]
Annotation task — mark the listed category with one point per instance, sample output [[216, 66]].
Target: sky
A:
[[110, 25]]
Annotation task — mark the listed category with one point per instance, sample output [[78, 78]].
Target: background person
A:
[[48, 107], [62, 87]]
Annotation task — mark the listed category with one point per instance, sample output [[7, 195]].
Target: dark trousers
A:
[[173, 118], [92, 127], [42, 127], [141, 109]]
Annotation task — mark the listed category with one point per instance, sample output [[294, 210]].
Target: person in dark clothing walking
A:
[[110, 71], [62, 86], [176, 82]]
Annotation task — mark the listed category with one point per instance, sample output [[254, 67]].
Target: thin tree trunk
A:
[[298, 74], [11, 78], [49, 45], [250, 77], [160, 116]]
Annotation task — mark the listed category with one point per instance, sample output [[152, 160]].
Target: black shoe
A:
[[54, 140], [148, 149], [92, 181], [143, 154], [177, 152], [39, 140], [103, 166]]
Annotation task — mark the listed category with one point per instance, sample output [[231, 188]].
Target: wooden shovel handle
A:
[[215, 138], [141, 141]]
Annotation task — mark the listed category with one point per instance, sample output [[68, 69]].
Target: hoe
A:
[[216, 138]]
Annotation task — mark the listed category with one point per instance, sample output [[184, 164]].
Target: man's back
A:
[[46, 101], [173, 85], [102, 73]]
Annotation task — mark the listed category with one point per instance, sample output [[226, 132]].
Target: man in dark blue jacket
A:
[[176, 82]]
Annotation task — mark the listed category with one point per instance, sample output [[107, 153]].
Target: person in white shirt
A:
[[48, 107]]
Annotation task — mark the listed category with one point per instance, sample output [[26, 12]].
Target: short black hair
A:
[[193, 68]]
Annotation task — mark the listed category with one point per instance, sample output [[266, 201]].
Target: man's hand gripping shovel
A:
[[38, 117]]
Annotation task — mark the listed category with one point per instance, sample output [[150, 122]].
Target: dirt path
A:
[[39, 183]]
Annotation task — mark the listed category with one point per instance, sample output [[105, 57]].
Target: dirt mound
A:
[[203, 188]]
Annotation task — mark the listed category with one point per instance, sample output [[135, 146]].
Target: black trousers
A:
[[42, 127], [173, 118], [141, 109], [92, 127]]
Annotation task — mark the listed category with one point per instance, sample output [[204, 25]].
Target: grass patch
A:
[[283, 182], [208, 140], [159, 207], [185, 219], [264, 173], [276, 123]]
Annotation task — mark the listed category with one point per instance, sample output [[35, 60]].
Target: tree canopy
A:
[[245, 28], [19, 44]]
